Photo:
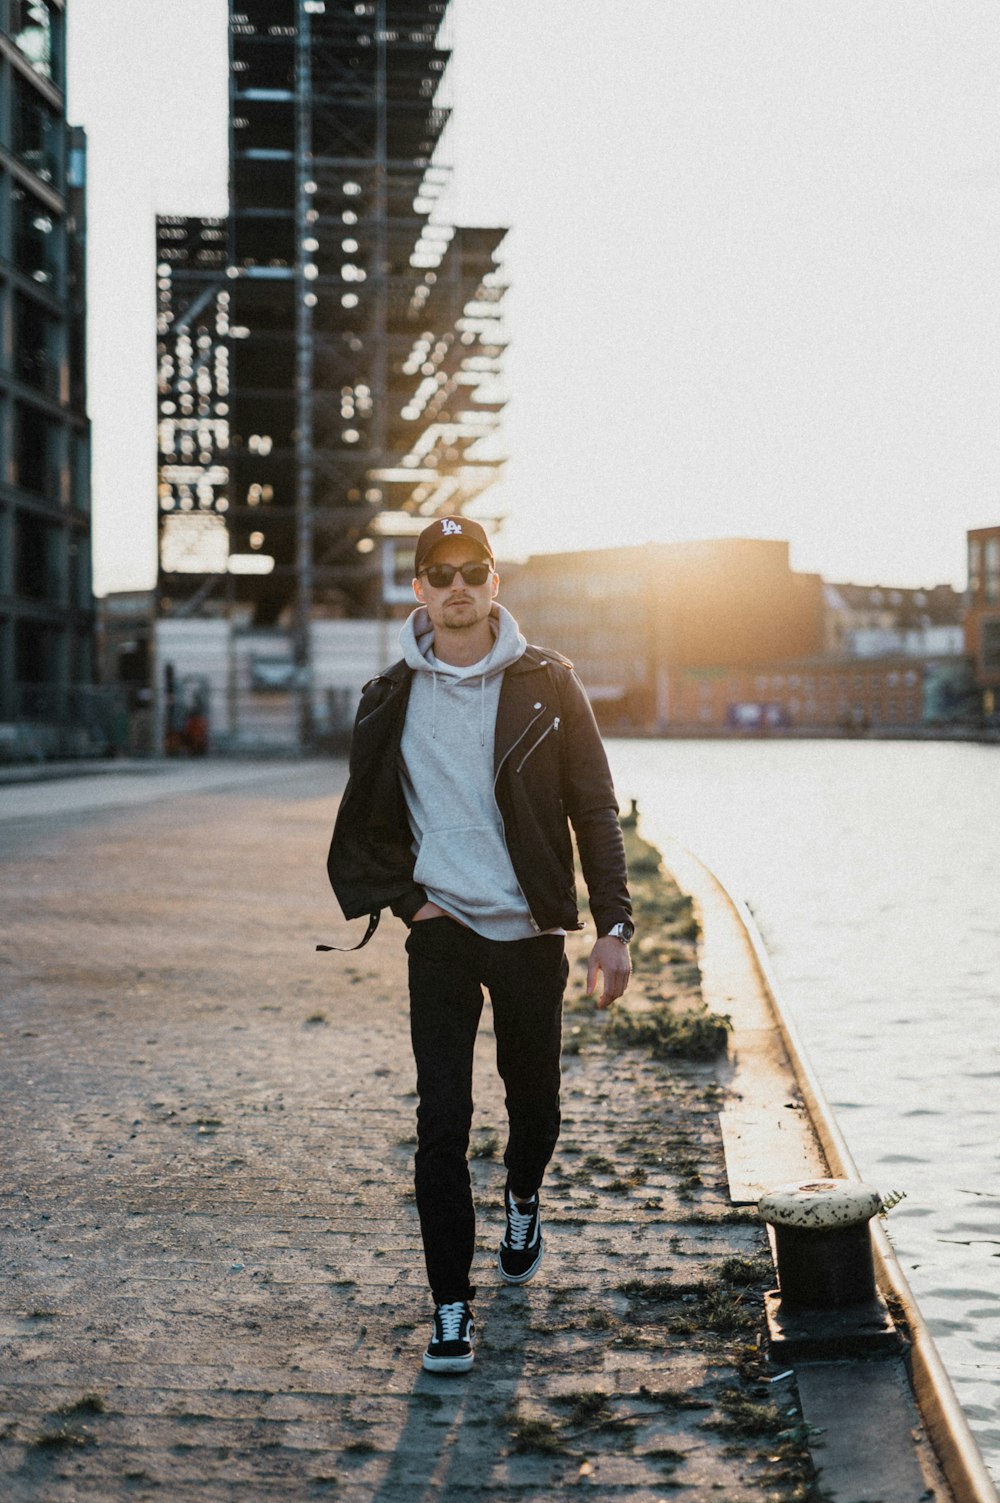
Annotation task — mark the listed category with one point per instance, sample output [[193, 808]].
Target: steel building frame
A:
[[363, 331]]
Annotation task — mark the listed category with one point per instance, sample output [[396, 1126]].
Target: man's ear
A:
[[496, 583], [418, 590]]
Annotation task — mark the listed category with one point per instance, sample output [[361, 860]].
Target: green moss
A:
[[601, 1320], [599, 1163], [673, 1399], [593, 1408], [694, 1033], [62, 1438], [532, 1433], [484, 1147], [88, 1403], [745, 1417], [723, 1311], [745, 1271], [655, 1289], [731, 1216]]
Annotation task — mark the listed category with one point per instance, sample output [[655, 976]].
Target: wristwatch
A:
[[623, 931]]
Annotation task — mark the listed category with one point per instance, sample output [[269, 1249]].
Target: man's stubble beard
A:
[[463, 623]]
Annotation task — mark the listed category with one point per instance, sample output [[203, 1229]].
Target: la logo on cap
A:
[[449, 527]]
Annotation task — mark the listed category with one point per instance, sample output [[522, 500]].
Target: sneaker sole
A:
[[448, 1364], [522, 1278]]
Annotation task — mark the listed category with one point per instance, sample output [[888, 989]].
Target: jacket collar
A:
[[531, 660]]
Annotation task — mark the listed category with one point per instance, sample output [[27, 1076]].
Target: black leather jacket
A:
[[550, 767]]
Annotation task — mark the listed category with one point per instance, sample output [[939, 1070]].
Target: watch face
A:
[[623, 931]]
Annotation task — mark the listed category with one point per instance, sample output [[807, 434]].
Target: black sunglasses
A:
[[441, 575]]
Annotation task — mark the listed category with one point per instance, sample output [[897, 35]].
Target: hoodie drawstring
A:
[[434, 696], [482, 711]]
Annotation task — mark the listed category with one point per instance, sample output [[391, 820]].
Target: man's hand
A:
[[611, 958]]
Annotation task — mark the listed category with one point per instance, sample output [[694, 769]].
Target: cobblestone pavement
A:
[[213, 1286]]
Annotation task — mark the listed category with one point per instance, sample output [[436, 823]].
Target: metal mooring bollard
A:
[[826, 1303]]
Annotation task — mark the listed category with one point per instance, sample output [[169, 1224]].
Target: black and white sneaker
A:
[[521, 1246], [450, 1347]]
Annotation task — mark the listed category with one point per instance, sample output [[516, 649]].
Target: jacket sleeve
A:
[[589, 797], [370, 862], [409, 903]]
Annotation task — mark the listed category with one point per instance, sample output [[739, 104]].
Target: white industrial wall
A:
[[345, 654]]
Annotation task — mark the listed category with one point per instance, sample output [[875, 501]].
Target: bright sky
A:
[[754, 264]]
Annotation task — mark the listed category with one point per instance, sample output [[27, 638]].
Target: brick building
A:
[[872, 620], [982, 620], [820, 693], [630, 618], [725, 636]]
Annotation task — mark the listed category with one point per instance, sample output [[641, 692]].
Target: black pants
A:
[[526, 978]]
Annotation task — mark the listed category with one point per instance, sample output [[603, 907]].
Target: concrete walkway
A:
[[213, 1285]]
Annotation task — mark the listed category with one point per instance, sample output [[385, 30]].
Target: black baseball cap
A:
[[443, 528]]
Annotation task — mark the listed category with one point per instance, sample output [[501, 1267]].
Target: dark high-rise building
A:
[[334, 382], [46, 604]]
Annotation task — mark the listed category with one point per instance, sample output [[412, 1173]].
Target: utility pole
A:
[[305, 189], [380, 217]]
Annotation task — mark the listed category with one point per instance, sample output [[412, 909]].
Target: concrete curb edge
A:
[[948, 1429]]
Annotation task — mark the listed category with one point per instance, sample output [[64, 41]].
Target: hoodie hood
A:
[[417, 642], [447, 773]]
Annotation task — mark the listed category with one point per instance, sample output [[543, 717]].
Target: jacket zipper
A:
[[503, 827], [513, 747], [553, 727]]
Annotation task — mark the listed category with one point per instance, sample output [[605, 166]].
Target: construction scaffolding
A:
[[330, 354]]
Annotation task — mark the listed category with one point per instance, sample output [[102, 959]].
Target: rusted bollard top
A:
[[821, 1204]]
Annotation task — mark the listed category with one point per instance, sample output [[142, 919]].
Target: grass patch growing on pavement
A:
[[532, 1432], [87, 1403], [484, 1147], [62, 1438], [745, 1417], [695, 1033]]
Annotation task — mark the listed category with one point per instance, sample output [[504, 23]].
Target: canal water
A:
[[873, 871]]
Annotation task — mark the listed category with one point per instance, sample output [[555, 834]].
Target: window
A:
[[991, 570], [79, 571], [36, 453], [40, 564], [36, 653], [991, 646], [975, 567], [80, 465], [37, 248], [36, 28], [37, 358], [37, 135]]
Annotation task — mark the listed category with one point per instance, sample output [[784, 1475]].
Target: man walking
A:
[[468, 757]]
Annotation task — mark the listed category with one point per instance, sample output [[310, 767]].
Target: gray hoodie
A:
[[447, 776]]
